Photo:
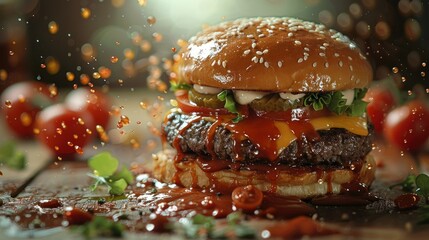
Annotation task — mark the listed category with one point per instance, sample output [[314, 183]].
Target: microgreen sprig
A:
[[11, 157], [105, 171], [418, 184], [100, 227], [201, 226]]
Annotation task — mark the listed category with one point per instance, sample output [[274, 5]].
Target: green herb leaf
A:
[[335, 102], [179, 86], [318, 100], [408, 185], [357, 108], [227, 97], [11, 157], [125, 174], [100, 227], [422, 185], [423, 215], [118, 187], [338, 103], [103, 164]]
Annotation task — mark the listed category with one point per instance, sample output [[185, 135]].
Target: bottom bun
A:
[[284, 183]]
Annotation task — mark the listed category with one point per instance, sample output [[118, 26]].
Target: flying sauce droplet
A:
[[151, 20], [53, 27], [8, 104], [85, 12], [114, 59]]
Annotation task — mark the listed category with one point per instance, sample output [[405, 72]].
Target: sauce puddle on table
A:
[[152, 206]]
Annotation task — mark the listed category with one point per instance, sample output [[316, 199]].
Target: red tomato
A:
[[247, 198], [21, 102], [380, 103], [407, 127], [92, 101], [63, 130], [76, 216]]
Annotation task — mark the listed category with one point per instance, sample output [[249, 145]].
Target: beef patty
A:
[[336, 147]]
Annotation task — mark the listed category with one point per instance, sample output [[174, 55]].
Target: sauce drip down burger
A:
[[271, 102]]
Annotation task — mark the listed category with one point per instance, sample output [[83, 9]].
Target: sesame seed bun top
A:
[[273, 54]]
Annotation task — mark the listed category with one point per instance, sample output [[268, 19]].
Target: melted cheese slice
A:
[[356, 125]]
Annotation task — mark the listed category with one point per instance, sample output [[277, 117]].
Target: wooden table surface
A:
[[51, 178]]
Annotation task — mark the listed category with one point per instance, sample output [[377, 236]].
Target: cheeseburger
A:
[[271, 102]]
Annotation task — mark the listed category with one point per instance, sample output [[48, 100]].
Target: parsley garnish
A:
[[101, 227], [335, 102], [422, 186], [408, 185], [418, 184], [105, 172], [227, 97], [201, 226], [11, 157], [179, 86]]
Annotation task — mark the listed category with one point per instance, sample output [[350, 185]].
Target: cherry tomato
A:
[[407, 201], [407, 127], [76, 216], [63, 130], [381, 101], [92, 101], [21, 102], [247, 198]]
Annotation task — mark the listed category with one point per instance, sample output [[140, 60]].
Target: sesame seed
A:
[[213, 63], [224, 64], [322, 47], [325, 44], [253, 45], [340, 63], [326, 64], [350, 58], [218, 62], [261, 35], [322, 54], [314, 64], [306, 49], [336, 54], [351, 68], [255, 59], [280, 64], [297, 42], [265, 51], [300, 60], [246, 52], [258, 52], [290, 34], [261, 60], [266, 64], [305, 57], [250, 36]]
